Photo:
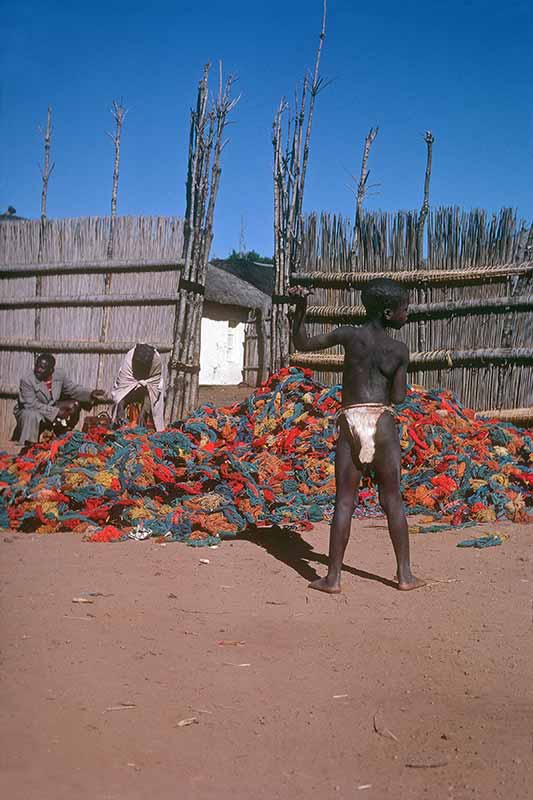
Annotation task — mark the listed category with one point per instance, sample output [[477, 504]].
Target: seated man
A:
[[138, 392], [48, 399]]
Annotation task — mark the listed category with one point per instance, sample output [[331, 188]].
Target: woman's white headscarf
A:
[[126, 381]]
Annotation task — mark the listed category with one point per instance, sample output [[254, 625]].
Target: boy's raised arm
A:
[[399, 381], [301, 340]]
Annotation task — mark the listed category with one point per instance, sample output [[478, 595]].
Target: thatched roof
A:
[[259, 275], [226, 288]]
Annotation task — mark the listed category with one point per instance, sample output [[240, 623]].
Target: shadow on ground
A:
[[289, 547]]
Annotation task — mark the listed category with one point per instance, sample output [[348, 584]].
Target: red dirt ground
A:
[[372, 693]]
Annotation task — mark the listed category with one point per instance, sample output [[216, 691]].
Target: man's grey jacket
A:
[[36, 403]]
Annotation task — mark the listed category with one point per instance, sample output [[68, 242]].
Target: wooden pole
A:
[[206, 143], [436, 359], [72, 346], [438, 277], [94, 266], [119, 113], [46, 171], [289, 173], [361, 190], [47, 168], [429, 140], [422, 292]]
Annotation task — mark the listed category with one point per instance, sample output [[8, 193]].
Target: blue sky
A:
[[462, 69]]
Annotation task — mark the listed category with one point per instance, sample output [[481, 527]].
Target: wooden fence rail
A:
[[448, 310], [73, 346], [471, 299], [413, 278], [91, 267], [438, 359], [89, 301]]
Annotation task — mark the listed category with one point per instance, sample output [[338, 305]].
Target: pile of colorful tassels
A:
[[266, 461]]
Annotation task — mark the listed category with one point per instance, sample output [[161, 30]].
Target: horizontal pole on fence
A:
[[436, 359], [49, 346], [489, 305], [89, 301], [493, 305], [447, 277], [93, 266], [518, 416], [12, 391]]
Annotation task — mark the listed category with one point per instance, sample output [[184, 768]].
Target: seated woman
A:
[[138, 393]]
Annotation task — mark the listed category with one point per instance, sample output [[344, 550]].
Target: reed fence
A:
[[470, 325], [68, 259]]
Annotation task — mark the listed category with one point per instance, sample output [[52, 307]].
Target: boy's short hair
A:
[[382, 293]]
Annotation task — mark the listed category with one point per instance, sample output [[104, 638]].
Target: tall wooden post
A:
[[290, 167], [361, 191], [46, 171], [206, 142], [422, 292], [119, 113]]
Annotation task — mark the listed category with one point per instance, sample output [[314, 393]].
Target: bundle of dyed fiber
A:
[[266, 461]]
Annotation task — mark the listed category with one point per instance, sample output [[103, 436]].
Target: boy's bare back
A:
[[372, 361]]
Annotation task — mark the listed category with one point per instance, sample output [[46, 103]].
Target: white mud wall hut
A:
[[234, 309]]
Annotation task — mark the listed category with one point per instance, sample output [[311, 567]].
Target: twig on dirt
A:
[[380, 728], [429, 765], [199, 611], [231, 643], [184, 723]]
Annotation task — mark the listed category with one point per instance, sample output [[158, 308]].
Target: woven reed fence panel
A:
[[252, 371], [455, 240], [251, 352], [77, 242]]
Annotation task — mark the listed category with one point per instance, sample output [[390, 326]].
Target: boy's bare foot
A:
[[326, 585], [410, 583]]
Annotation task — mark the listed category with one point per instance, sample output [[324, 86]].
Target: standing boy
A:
[[374, 377]]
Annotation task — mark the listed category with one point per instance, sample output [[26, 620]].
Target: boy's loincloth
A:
[[362, 419]]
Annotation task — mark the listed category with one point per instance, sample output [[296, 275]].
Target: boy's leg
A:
[[347, 477], [387, 470]]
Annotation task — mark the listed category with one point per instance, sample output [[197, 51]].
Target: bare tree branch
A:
[[46, 170], [119, 114], [362, 188], [206, 143], [422, 292], [429, 140], [289, 173]]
